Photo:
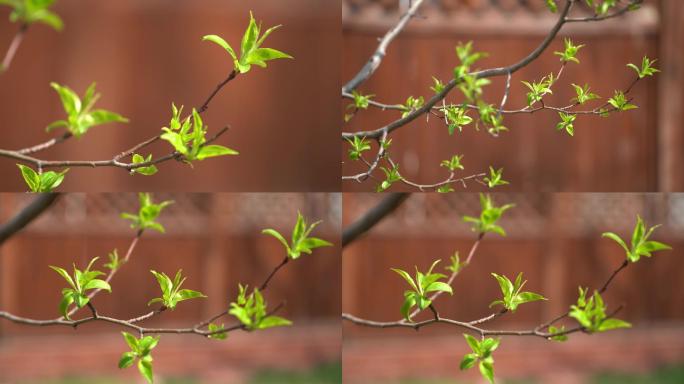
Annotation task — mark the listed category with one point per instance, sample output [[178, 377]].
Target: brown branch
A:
[[35, 208], [13, 47], [370, 219]]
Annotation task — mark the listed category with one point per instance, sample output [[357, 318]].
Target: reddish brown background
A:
[[555, 239], [145, 55], [635, 151], [216, 240]]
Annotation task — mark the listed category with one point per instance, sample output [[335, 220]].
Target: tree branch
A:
[[363, 224], [39, 204]]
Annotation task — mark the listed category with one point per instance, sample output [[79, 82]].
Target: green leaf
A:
[[147, 213], [222, 43], [217, 336], [273, 321], [145, 368], [147, 170], [251, 52], [487, 370], [79, 116], [609, 324], [495, 177], [439, 286], [569, 52], [30, 177], [127, 359], [278, 236], [640, 244], [131, 340], [468, 361], [489, 216], [646, 68], [214, 150], [551, 5]]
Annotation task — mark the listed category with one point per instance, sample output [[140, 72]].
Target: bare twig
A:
[[14, 46]]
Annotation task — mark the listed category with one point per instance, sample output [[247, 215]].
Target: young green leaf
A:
[[141, 350], [558, 333], [423, 284], [551, 5], [80, 117], [456, 264], [216, 328], [250, 310], [82, 282], [482, 354], [640, 245], [191, 142], [33, 11], [146, 170], [489, 215], [619, 101], [358, 146], [453, 164], [41, 182], [512, 295], [495, 177], [539, 89], [172, 294], [438, 86], [583, 94], [566, 123], [455, 117], [251, 52], [412, 104], [147, 213], [569, 52], [646, 68], [114, 261], [391, 177], [301, 241], [591, 314]]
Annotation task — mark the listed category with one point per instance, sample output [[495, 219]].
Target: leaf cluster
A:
[[453, 164], [80, 116], [412, 104], [489, 215], [172, 294], [358, 146], [301, 241], [251, 311], [251, 52], [456, 117], [566, 123], [140, 350], [619, 101], [147, 213], [646, 68], [188, 138], [482, 354], [81, 282], [583, 94], [41, 182], [569, 52], [591, 313], [391, 176], [495, 177], [640, 244], [539, 89], [512, 295], [423, 284], [33, 11]]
